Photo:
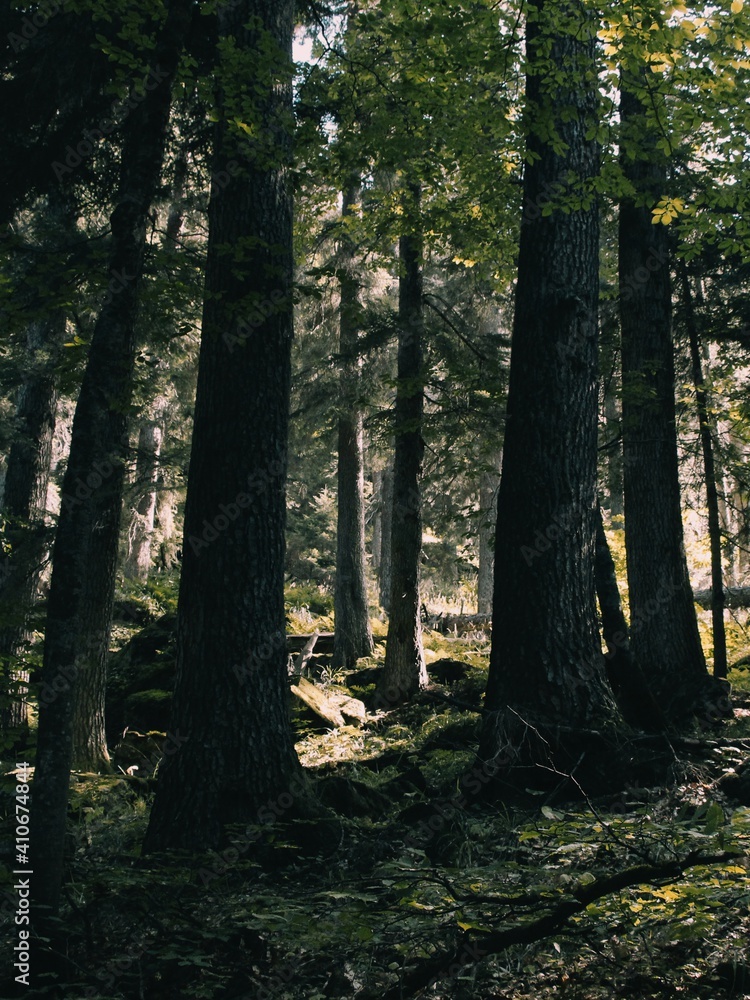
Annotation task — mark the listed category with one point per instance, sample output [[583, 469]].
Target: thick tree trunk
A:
[[353, 631], [231, 698], [405, 671], [663, 624], [709, 470], [26, 535], [138, 560], [386, 523], [85, 552], [487, 521], [546, 661]]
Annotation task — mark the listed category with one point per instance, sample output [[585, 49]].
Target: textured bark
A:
[[377, 520], [626, 678], [353, 631], [614, 456], [230, 711], [663, 625], [709, 471], [26, 536], [405, 671], [85, 552], [546, 661], [487, 520], [386, 522], [138, 561]]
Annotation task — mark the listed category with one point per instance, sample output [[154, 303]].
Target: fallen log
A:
[[306, 654], [323, 644], [459, 624], [734, 597], [332, 706]]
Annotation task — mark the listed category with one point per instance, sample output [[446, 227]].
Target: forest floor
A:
[[421, 865]]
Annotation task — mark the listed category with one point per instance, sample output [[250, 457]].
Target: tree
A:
[[489, 484], [138, 560], [663, 624], [546, 661], [405, 671], [709, 468], [27, 536], [353, 635], [626, 678], [85, 552], [385, 514], [231, 697]]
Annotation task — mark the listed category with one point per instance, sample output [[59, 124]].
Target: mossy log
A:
[[332, 706]]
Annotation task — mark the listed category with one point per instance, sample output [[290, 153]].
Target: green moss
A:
[[146, 710]]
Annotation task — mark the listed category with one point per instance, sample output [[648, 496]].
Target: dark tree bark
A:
[[614, 455], [626, 678], [386, 522], [85, 552], [546, 661], [26, 536], [230, 708], [405, 671], [353, 635], [663, 625], [709, 470], [487, 520], [138, 560]]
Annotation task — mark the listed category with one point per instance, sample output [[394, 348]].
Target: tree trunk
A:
[[614, 456], [353, 635], [26, 535], [487, 521], [386, 524], [405, 671], [231, 697], [138, 560], [709, 470], [85, 552], [626, 678], [663, 625], [546, 661], [377, 521], [137, 563]]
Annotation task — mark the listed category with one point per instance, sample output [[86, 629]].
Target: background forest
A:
[[375, 522]]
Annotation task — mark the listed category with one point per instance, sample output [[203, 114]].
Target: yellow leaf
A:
[[737, 6]]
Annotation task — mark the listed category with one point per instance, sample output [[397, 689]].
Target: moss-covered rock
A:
[[141, 678]]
